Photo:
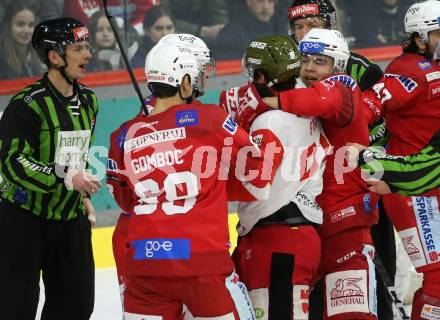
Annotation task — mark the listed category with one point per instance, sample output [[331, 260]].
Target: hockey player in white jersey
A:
[[279, 249]]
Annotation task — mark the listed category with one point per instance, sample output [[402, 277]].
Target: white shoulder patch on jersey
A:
[[433, 76], [112, 165], [230, 125], [408, 83], [348, 81]]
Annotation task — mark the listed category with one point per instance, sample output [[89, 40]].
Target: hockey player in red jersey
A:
[[206, 62], [409, 96], [279, 250], [169, 172], [349, 209], [305, 15]]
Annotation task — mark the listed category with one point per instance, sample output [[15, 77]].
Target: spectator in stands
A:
[[202, 18], [84, 9], [107, 55], [377, 23], [43, 9], [157, 24], [258, 20], [17, 58]]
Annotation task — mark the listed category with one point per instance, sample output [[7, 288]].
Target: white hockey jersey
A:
[[298, 179]]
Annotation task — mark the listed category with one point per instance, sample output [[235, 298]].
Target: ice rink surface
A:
[[108, 303], [107, 300]]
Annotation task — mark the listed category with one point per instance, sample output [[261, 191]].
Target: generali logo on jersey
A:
[[413, 246], [347, 292], [153, 138], [411, 249], [307, 9]]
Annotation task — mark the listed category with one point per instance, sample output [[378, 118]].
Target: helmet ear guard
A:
[[329, 43], [436, 56]]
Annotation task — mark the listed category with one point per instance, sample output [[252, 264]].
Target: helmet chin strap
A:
[[436, 55], [63, 72], [188, 100]]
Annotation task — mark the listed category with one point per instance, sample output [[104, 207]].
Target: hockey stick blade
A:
[[390, 288], [125, 58]]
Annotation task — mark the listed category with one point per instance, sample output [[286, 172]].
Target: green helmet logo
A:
[[276, 56]]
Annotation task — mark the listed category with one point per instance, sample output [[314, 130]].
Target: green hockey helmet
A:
[[276, 56]]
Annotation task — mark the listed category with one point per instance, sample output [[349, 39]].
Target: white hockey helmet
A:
[[328, 43], [422, 18], [200, 50], [198, 46], [168, 64]]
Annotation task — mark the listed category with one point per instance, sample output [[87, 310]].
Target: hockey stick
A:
[[124, 56], [390, 287]]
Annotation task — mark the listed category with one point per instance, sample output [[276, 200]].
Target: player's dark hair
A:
[[161, 90], [290, 84], [264, 91], [410, 46]]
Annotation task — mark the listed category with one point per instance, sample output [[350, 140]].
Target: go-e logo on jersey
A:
[[171, 249], [187, 118]]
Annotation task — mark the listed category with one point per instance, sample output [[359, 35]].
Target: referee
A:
[[410, 175], [45, 134]]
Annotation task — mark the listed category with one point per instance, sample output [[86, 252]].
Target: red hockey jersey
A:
[[408, 95], [170, 172], [337, 101]]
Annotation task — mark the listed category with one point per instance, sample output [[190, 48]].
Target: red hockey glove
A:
[[245, 104]]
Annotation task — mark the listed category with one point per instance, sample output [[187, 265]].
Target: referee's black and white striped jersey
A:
[[410, 175], [41, 133]]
